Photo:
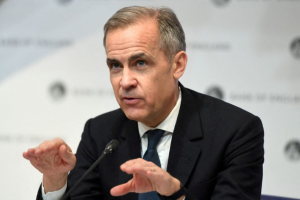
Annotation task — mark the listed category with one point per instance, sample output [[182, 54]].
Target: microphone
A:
[[110, 147]]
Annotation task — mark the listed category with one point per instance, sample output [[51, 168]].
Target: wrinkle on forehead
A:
[[140, 36], [127, 48]]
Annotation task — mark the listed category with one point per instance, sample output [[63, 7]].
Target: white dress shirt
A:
[[163, 146]]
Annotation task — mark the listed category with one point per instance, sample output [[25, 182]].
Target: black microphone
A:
[[110, 147]]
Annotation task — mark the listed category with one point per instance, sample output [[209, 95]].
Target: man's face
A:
[[142, 78]]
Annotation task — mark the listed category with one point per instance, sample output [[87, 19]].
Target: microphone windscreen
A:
[[112, 145]]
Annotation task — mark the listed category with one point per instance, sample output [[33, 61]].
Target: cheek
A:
[[153, 95], [115, 84], [163, 90]]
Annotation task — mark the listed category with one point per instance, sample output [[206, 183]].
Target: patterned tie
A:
[[152, 155]]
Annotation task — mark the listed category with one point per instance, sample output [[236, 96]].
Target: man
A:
[[208, 148]]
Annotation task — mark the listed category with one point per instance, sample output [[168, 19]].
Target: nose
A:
[[128, 79]]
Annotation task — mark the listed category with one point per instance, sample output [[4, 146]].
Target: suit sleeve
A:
[[241, 174], [39, 194], [86, 155]]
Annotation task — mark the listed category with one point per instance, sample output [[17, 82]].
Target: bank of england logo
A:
[[295, 47], [215, 91], [292, 150], [221, 2], [58, 90]]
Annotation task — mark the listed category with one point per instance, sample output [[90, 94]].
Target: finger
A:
[[135, 168], [135, 163], [37, 151], [140, 166], [31, 151], [50, 146], [26, 155], [122, 189], [30, 155]]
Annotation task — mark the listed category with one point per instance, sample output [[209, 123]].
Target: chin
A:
[[135, 115]]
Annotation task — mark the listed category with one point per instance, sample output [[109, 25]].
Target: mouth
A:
[[130, 100]]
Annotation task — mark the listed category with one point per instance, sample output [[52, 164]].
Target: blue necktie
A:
[[152, 155]]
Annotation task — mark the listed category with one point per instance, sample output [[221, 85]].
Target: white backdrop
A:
[[53, 75]]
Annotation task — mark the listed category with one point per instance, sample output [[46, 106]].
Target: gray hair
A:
[[171, 34]]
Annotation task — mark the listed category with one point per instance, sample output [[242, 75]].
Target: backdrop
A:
[[53, 75]]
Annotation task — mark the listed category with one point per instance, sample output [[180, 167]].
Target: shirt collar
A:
[[168, 124]]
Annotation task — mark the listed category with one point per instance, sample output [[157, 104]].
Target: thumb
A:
[[66, 154], [122, 189]]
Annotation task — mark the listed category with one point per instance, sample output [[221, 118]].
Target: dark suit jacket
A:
[[216, 152]]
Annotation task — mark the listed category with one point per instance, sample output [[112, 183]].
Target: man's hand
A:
[[146, 177], [54, 159]]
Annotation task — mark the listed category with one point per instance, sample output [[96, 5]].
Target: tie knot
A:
[[154, 137]]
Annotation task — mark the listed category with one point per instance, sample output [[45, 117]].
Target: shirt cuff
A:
[[55, 194]]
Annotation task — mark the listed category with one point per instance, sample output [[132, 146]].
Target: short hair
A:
[[171, 34]]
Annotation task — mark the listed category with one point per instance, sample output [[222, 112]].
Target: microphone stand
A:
[[108, 150]]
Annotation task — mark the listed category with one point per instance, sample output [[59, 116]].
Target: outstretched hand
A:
[[54, 159], [147, 177]]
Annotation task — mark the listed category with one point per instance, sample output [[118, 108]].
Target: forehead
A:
[[143, 35]]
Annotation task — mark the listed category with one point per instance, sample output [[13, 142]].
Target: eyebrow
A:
[[136, 56], [131, 58], [109, 61]]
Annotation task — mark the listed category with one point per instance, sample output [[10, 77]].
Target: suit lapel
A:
[[129, 148], [185, 148]]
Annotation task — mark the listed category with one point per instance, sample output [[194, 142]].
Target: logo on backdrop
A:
[[209, 46], [221, 2], [215, 91], [295, 47], [292, 150], [58, 90]]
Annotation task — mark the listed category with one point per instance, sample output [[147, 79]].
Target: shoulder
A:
[[218, 114], [212, 106], [103, 128], [107, 120], [111, 116]]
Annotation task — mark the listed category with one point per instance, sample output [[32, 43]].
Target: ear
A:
[[179, 64]]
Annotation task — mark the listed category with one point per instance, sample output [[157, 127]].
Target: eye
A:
[[140, 63], [115, 66]]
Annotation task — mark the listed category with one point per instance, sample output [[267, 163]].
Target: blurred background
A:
[[53, 75]]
